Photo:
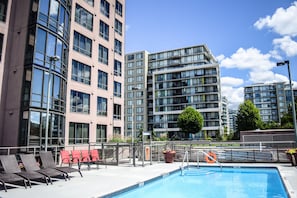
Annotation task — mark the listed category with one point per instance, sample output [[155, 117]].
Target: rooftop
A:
[[99, 182]]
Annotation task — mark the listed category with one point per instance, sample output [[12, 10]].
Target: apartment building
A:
[[179, 78], [62, 73], [270, 99], [95, 91], [136, 68], [225, 115]]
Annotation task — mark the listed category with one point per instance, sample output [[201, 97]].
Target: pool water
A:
[[214, 182]]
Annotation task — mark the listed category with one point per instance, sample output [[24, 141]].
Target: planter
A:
[[169, 156], [292, 156]]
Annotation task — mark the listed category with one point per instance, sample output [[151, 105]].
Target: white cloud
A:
[[287, 45], [267, 77], [220, 57], [235, 96], [251, 58], [283, 21], [231, 81]]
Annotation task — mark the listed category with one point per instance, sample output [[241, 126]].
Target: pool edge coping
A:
[[288, 187]]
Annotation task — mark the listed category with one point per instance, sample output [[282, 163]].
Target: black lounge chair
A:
[[10, 165], [30, 164], [11, 178], [48, 162]]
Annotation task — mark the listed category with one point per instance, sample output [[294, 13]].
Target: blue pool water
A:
[[213, 182]]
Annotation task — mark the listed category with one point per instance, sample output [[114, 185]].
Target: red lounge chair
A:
[[95, 158], [85, 157], [76, 157], [65, 157]]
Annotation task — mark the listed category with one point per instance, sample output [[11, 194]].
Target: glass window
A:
[[43, 11], [61, 28], [101, 106], [78, 133], [83, 17], [117, 111], [79, 102], [101, 133], [90, 2], [116, 130], [102, 80], [3, 8], [54, 10], [104, 30], [104, 8], [119, 8], [82, 44], [81, 72], [117, 68], [118, 46], [117, 89], [118, 27], [40, 46], [35, 128], [103, 54]]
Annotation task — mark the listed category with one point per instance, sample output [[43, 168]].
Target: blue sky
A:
[[247, 37]]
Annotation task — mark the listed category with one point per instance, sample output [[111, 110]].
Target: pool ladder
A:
[[186, 157]]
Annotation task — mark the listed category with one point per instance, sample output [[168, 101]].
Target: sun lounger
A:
[[11, 178], [48, 162], [30, 164], [10, 165], [95, 158], [85, 158]]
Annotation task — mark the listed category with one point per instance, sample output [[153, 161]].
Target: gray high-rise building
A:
[[176, 79], [271, 99]]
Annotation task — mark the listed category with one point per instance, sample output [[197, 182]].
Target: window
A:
[[130, 57], [102, 80], [83, 17], [117, 111], [101, 106], [39, 88], [82, 44], [104, 8], [3, 8], [117, 89], [55, 17], [90, 2], [116, 130], [117, 68], [79, 102], [78, 133], [118, 46], [103, 55], [119, 8], [1, 45], [101, 133], [81, 72], [104, 30], [118, 27]]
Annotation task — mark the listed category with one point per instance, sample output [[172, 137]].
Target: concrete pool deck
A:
[[99, 182]]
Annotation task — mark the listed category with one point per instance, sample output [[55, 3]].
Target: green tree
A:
[[190, 121], [248, 117]]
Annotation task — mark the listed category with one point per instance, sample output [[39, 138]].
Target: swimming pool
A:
[[231, 182]]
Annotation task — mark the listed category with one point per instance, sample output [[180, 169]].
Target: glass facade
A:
[[45, 78]]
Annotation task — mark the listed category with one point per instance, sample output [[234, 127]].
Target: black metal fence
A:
[[148, 153]]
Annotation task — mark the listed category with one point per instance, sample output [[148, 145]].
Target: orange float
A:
[[211, 157]]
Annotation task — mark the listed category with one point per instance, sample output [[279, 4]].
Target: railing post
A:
[[117, 154]]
